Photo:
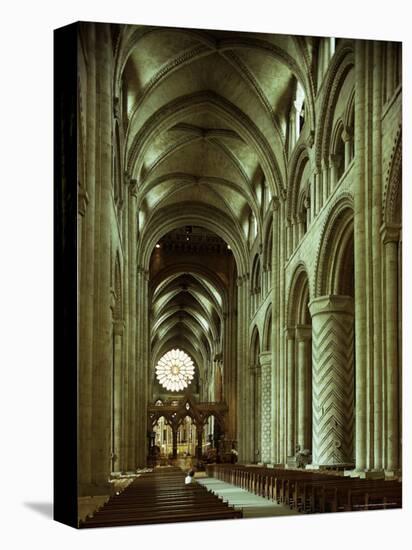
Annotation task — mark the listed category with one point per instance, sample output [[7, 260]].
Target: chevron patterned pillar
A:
[[333, 380]]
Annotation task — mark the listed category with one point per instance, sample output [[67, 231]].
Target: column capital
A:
[[347, 134], [390, 233], [303, 333], [242, 279], [118, 327], [265, 358], [133, 190], [325, 165], [332, 303], [275, 204], [116, 108], [82, 200], [255, 368], [310, 141], [290, 333]]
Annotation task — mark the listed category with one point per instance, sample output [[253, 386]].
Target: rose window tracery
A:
[[175, 370]]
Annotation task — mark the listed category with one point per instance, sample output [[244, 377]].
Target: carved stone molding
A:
[[82, 201], [390, 233]]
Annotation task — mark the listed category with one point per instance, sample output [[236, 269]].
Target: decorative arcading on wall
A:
[[333, 380]]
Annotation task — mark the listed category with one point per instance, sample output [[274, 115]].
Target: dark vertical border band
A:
[[65, 275]]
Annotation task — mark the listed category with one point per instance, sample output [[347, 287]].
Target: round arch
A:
[[334, 273], [299, 297], [168, 219]]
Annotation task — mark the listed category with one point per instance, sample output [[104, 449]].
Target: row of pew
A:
[[161, 496], [311, 492]]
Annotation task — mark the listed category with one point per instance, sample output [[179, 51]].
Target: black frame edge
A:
[[65, 275]]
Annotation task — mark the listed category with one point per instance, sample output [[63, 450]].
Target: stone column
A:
[[312, 198], [334, 163], [390, 237], [303, 339], [118, 330], [243, 398], [265, 360], [347, 136], [199, 434], [257, 447], [102, 338], [325, 182], [360, 181], [376, 462], [289, 239], [174, 442], [290, 384], [280, 344], [142, 365], [317, 205], [275, 374], [86, 294], [132, 299], [301, 226], [296, 233], [333, 380], [390, 50]]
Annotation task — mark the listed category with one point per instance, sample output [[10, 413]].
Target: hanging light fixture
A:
[[175, 370]]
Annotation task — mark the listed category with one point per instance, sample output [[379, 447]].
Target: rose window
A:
[[175, 370]]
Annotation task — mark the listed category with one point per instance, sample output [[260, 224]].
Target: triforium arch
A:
[[340, 66]]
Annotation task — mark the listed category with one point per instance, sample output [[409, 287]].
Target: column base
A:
[[88, 505], [341, 466], [365, 474], [93, 489], [393, 474]]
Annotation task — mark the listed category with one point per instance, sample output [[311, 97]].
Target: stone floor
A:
[[253, 506]]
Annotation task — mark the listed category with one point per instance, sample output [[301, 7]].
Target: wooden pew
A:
[[312, 492], [161, 497]]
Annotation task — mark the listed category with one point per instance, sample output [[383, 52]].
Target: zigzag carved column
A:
[[333, 380]]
